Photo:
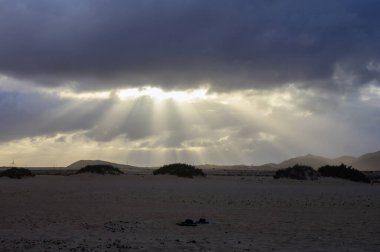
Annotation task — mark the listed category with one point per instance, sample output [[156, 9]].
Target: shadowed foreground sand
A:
[[131, 213]]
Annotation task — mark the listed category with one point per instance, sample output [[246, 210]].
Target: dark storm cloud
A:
[[176, 44], [29, 114]]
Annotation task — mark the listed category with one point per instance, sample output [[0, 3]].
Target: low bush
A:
[[100, 169], [300, 172], [180, 170], [344, 172], [16, 173]]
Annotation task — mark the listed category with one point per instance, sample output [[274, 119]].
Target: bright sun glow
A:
[[133, 93], [159, 94], [84, 95]]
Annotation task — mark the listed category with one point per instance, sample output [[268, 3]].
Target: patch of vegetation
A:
[[100, 169], [16, 173], [300, 172], [180, 170], [344, 172]]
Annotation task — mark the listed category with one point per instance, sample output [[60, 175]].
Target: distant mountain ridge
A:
[[366, 162]]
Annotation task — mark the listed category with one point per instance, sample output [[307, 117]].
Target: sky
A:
[[148, 82]]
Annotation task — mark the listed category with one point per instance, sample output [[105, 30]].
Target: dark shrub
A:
[[100, 169], [300, 172], [181, 170], [344, 172], [16, 173]]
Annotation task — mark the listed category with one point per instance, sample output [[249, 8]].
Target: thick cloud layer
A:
[[255, 126], [99, 44]]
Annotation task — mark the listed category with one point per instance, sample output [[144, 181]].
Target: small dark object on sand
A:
[[191, 223], [187, 223]]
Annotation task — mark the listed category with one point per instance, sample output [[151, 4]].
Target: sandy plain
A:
[[140, 212]]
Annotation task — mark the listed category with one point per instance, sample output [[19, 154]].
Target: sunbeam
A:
[[151, 126]]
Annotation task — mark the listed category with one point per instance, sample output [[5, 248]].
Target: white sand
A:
[[128, 213]]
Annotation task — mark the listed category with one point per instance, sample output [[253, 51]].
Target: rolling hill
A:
[[366, 162], [125, 168]]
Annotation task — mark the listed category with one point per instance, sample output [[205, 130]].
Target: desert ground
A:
[[140, 212]]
